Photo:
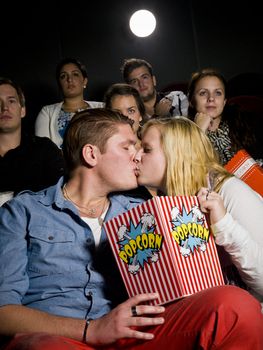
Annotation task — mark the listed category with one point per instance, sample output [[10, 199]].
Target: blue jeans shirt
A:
[[48, 259]]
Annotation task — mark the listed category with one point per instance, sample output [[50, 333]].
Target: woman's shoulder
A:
[[234, 187], [52, 107], [96, 104]]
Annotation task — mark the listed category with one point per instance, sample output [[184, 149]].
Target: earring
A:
[[84, 86]]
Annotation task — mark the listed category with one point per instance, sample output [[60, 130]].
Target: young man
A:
[[56, 265], [139, 73], [26, 162], [58, 283]]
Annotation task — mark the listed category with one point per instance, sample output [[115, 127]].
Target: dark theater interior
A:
[[189, 35], [131, 201]]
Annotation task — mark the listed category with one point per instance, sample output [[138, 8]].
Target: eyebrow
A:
[[140, 75], [13, 96], [72, 71], [130, 142], [146, 144]]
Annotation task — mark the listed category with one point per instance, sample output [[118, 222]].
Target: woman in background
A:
[[126, 99], [72, 80], [226, 127]]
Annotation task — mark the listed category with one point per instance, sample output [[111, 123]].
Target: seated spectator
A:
[[225, 125], [72, 80], [126, 100], [177, 158], [58, 293], [139, 74], [26, 162]]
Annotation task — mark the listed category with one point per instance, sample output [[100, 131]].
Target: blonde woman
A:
[[177, 158]]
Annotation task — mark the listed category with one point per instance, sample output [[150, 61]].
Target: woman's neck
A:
[[74, 105]]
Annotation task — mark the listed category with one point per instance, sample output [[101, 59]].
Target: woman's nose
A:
[[211, 97]]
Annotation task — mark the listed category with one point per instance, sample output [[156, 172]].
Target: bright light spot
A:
[[142, 23]]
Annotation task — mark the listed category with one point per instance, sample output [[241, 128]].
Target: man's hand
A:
[[120, 322], [163, 107]]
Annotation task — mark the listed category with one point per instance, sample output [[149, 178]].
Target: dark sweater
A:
[[35, 164]]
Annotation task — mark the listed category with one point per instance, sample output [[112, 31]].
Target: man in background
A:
[[27, 162], [139, 73]]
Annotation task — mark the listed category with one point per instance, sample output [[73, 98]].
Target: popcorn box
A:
[[165, 245], [243, 166]]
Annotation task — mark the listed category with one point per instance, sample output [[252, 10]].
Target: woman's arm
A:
[[240, 230]]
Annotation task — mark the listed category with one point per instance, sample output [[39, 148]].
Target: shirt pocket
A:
[[50, 250]]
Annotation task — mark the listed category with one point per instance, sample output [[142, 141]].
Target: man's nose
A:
[[3, 106], [140, 82], [138, 156]]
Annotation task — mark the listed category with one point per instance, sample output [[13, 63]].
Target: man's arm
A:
[[21, 319], [115, 325]]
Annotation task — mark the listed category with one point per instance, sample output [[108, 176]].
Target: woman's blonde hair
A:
[[189, 154]]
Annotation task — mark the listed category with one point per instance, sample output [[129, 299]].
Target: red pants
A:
[[217, 318]]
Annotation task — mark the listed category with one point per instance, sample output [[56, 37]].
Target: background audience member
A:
[[139, 74], [126, 99], [72, 79], [26, 162], [59, 296], [227, 128], [187, 165]]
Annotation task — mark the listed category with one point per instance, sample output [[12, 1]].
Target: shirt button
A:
[[88, 240], [51, 238]]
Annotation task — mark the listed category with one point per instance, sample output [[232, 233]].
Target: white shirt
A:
[[240, 232], [47, 121]]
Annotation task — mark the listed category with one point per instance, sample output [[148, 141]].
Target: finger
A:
[[140, 298], [142, 322], [146, 321], [202, 191], [139, 310]]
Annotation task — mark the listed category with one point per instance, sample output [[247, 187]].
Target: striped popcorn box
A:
[[165, 245], [243, 166]]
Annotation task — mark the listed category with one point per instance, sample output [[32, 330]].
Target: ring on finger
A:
[[134, 311]]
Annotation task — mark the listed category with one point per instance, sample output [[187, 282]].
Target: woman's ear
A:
[[90, 154], [191, 104], [85, 83]]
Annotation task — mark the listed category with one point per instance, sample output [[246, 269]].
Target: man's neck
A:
[[85, 189], [9, 141], [149, 104]]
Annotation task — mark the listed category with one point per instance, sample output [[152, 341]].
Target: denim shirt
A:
[[48, 259]]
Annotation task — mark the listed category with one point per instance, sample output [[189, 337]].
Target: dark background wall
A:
[[189, 35]]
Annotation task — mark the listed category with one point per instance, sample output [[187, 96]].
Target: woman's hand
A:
[[121, 321], [203, 121], [212, 203]]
